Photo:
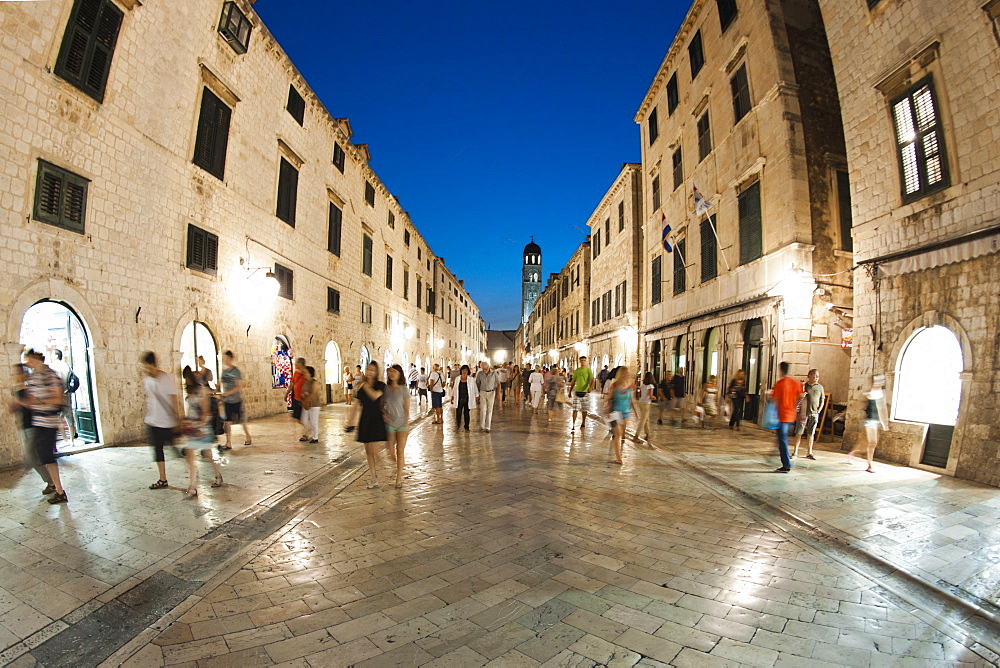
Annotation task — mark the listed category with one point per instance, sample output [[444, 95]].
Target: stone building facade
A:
[[744, 108], [615, 285], [162, 159], [919, 84]]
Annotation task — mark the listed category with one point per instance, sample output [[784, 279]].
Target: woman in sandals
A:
[[200, 434], [397, 416], [371, 424], [231, 380]]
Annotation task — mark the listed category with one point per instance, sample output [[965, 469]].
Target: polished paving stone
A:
[[519, 547]]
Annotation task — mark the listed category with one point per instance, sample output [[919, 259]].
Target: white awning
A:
[[942, 256]]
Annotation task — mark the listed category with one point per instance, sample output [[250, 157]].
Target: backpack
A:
[[72, 382]]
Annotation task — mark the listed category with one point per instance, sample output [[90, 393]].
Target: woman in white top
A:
[[536, 381], [646, 396]]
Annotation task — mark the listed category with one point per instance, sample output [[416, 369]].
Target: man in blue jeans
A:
[[785, 395]]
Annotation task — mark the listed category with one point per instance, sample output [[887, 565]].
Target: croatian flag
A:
[[701, 205], [667, 238]]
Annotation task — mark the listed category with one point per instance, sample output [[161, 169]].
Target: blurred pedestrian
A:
[[647, 395], [709, 402], [664, 395], [536, 381], [555, 392], [422, 387], [295, 392], [371, 423], [396, 402], [785, 394], [312, 400], [619, 408], [582, 382], [348, 385], [199, 432], [737, 395], [231, 384], [44, 398], [515, 383], [876, 415], [163, 412], [678, 388], [435, 383], [487, 382]]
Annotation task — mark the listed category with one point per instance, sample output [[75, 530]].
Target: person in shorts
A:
[[664, 395], [582, 381], [396, 406], [163, 412], [44, 398], [812, 404], [422, 387], [435, 383], [231, 384]]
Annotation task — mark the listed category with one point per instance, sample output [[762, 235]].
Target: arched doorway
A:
[[197, 341], [710, 363], [604, 362], [386, 361], [619, 359], [406, 362], [753, 332], [654, 359], [365, 358], [50, 326], [680, 353], [333, 372], [931, 358]]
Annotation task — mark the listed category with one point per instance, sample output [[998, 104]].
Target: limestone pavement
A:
[[518, 547]]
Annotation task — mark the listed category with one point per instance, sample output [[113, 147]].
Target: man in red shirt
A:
[[785, 394]]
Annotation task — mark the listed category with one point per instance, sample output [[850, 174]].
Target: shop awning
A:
[[959, 250]]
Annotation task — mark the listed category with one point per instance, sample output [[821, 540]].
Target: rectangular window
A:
[[366, 255], [332, 300], [366, 313], [88, 46], [338, 157], [919, 141], [296, 106], [212, 139], [624, 300], [202, 250], [388, 272], [656, 192], [750, 224], [654, 129], [285, 285], [844, 209], [235, 27], [420, 294], [741, 93], [334, 229], [680, 253], [406, 241], [696, 55], [607, 305], [621, 216], [872, 3], [709, 250], [430, 301], [60, 197], [607, 230], [673, 95], [678, 164], [727, 12], [370, 193], [656, 280], [288, 186], [704, 137], [596, 244], [406, 283], [392, 220], [618, 300]]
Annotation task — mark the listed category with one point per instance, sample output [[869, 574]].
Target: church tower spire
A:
[[531, 278]]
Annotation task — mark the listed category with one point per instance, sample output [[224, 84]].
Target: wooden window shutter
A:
[[60, 197], [212, 141], [196, 248], [709, 250], [680, 253], [288, 183], [335, 229], [750, 224], [88, 46]]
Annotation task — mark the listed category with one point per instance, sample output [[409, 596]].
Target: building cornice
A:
[[668, 60]]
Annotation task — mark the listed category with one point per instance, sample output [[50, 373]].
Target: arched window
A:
[[197, 341], [928, 382]]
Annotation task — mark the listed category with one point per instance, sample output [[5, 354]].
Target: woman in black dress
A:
[[371, 424]]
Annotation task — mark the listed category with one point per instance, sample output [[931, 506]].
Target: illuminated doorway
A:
[[333, 372], [197, 340], [752, 335], [54, 329]]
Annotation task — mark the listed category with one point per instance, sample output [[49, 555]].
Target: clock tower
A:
[[531, 278]]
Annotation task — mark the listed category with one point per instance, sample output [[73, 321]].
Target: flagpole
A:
[[718, 241], [715, 232]]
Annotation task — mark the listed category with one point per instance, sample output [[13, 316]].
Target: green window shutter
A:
[[288, 184], [709, 250], [680, 284], [334, 230], [88, 46], [212, 141], [196, 248], [60, 197], [750, 224], [656, 280]]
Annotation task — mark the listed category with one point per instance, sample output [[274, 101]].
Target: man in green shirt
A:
[[583, 382], [812, 399]]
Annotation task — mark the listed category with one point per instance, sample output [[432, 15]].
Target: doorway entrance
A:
[[932, 358], [55, 329], [197, 341], [752, 335], [333, 372]]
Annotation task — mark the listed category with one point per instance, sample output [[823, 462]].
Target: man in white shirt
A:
[[487, 381], [504, 372], [435, 383], [163, 412]]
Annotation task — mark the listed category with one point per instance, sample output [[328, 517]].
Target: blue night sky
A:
[[490, 122]]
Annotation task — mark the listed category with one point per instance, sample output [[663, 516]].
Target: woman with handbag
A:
[[371, 423], [619, 393], [199, 431]]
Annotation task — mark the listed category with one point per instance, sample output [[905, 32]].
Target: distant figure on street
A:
[[664, 395], [312, 400], [204, 374], [348, 386], [709, 402], [396, 402], [737, 395], [44, 398], [554, 386], [504, 374], [422, 387], [619, 398], [582, 382], [487, 382], [68, 427], [785, 394], [295, 392], [411, 378], [163, 412], [876, 415], [231, 384], [678, 387], [435, 383], [464, 395], [602, 377], [647, 395], [515, 383], [536, 381], [200, 435], [812, 405], [371, 424]]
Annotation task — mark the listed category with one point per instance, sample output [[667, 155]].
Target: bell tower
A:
[[531, 278]]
